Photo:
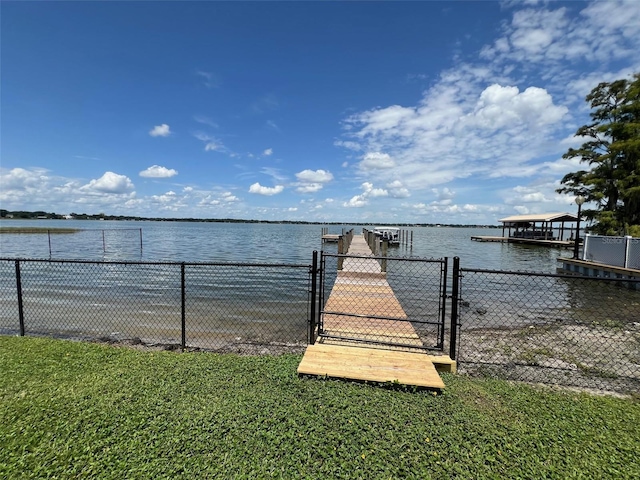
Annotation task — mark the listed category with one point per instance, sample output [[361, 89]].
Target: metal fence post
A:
[[313, 299], [627, 249], [321, 265], [183, 316], [455, 292], [444, 273], [20, 304], [585, 246]]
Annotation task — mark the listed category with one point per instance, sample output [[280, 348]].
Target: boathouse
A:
[[543, 226]]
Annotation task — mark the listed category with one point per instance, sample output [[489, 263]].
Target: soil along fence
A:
[[545, 328], [221, 306]]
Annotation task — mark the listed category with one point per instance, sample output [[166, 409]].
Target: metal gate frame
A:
[[438, 320]]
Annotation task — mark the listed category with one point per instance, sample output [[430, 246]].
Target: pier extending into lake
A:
[[359, 330]]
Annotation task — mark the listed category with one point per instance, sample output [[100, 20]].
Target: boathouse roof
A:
[[541, 217]]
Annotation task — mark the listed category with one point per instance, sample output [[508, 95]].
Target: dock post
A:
[[340, 252], [412, 238], [385, 246]]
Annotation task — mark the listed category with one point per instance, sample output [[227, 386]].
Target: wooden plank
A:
[[370, 365]]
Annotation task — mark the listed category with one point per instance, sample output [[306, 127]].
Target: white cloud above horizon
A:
[[160, 131], [156, 171], [268, 191]]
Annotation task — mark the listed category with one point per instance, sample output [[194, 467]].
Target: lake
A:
[[254, 242]]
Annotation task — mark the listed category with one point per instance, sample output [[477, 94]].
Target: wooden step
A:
[[370, 364]]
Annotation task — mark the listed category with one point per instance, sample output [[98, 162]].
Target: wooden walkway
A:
[[360, 295]]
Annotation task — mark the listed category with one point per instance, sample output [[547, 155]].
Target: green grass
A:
[[78, 410]]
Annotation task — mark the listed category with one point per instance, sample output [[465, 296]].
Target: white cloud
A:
[[205, 121], [268, 152], [110, 183], [309, 188], [260, 190], [160, 131], [376, 160], [168, 197], [229, 197], [397, 190], [209, 79], [211, 144], [156, 171], [368, 191], [311, 181], [500, 107], [314, 176]]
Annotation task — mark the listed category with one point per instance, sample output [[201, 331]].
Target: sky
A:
[[359, 112]]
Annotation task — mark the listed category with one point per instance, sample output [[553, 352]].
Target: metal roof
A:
[[541, 217]]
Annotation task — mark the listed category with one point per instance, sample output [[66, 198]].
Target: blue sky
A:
[[426, 112]]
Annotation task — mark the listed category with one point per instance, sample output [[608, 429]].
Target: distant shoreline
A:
[[22, 215]]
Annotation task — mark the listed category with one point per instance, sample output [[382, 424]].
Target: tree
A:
[[612, 152]]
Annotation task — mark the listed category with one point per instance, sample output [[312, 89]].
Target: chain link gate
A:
[[399, 302]]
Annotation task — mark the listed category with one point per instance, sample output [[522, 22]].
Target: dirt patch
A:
[[238, 348], [577, 355]]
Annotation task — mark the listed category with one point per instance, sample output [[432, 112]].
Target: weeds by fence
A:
[[548, 328], [235, 307]]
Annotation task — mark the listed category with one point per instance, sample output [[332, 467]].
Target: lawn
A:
[[78, 410]]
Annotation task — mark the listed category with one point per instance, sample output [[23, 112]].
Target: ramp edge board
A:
[[374, 365]]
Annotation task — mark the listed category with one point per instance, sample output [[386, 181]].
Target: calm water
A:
[[246, 242]]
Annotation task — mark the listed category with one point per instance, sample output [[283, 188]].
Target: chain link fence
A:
[[246, 308], [553, 329], [534, 327]]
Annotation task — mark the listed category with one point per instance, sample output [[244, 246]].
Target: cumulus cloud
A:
[[160, 131], [110, 183], [501, 106], [318, 176], [268, 152], [397, 190], [261, 190], [368, 191], [310, 181], [156, 171], [376, 160]]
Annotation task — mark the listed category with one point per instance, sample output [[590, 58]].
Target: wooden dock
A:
[[358, 344]]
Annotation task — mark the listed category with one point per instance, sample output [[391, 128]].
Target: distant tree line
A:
[[101, 216], [611, 153]]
